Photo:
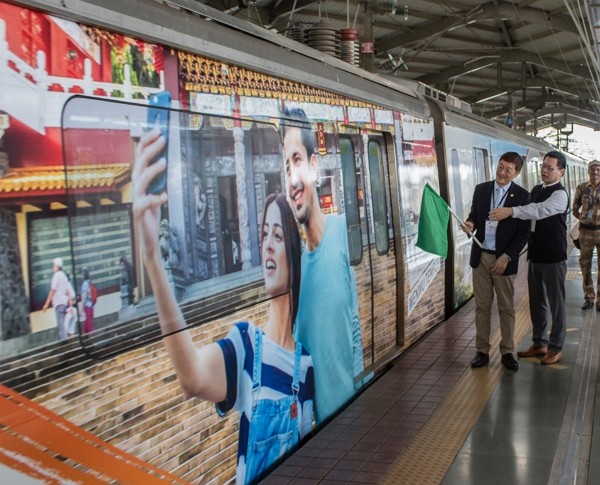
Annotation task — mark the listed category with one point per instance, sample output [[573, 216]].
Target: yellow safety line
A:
[[432, 451]]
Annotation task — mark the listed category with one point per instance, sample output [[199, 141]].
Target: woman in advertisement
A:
[[262, 373]]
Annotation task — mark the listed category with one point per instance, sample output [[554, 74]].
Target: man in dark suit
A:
[[495, 262]]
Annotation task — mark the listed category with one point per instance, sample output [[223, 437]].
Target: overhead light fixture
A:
[[483, 100]]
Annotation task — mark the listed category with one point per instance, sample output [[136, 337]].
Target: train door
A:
[[466, 168], [364, 160], [354, 210]]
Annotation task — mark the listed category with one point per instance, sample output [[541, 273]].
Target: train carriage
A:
[[76, 85], [468, 150]]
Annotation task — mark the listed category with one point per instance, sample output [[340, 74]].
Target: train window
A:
[[460, 200], [570, 182], [533, 171], [482, 161], [378, 199], [352, 209], [531, 166], [218, 177]]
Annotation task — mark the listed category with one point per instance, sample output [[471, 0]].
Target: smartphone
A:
[[158, 116]]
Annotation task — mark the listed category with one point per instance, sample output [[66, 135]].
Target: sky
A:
[[584, 141]]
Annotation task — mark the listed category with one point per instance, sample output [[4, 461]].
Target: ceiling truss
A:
[[529, 63]]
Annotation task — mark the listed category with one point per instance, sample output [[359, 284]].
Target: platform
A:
[[432, 419]]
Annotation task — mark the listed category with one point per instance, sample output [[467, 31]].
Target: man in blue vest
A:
[[547, 256]]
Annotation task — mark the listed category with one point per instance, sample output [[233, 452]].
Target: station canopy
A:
[[528, 63]]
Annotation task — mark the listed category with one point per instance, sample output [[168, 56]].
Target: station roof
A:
[[535, 62]]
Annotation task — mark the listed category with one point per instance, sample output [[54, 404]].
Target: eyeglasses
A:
[[548, 168], [505, 169]]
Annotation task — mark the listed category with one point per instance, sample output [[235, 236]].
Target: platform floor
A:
[[432, 419]]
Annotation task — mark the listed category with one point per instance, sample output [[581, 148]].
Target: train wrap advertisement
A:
[[210, 236]]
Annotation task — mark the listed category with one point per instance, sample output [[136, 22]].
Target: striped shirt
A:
[[277, 376]]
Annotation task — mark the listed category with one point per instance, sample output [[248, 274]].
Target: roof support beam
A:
[[567, 90], [510, 56], [488, 11], [574, 114]]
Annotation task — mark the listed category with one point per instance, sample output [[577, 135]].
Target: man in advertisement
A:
[[327, 323], [61, 296]]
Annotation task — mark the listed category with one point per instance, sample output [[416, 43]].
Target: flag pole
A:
[[470, 234]]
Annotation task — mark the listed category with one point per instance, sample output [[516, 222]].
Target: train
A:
[[77, 83]]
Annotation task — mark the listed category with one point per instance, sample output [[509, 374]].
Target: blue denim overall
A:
[[274, 424]]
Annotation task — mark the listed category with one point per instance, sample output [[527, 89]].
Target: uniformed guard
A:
[[586, 208]]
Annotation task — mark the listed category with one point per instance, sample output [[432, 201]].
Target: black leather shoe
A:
[[480, 360], [509, 362], [587, 305]]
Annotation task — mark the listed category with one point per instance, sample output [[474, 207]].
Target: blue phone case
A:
[[158, 116]]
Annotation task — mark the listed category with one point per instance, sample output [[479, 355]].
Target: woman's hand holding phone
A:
[[158, 118], [146, 205]]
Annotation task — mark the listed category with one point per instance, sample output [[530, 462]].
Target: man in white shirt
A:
[[547, 256]]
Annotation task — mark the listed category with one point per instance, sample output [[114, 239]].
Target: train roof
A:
[[455, 116], [193, 27]]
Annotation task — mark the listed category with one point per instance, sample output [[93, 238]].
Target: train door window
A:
[[378, 199], [481, 164], [531, 168], [217, 183], [351, 200], [537, 173], [459, 206]]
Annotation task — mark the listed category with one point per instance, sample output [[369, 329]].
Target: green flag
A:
[[433, 223]]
